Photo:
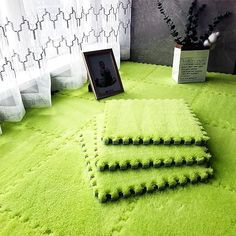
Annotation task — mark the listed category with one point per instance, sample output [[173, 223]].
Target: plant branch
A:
[[169, 23], [217, 20], [192, 24]]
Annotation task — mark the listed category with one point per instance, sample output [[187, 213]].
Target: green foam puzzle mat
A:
[[147, 121], [113, 157], [114, 185]]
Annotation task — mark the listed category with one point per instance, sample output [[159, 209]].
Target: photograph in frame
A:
[[103, 73]]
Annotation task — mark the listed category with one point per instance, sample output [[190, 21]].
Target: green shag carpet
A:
[[128, 183], [151, 121], [44, 180], [114, 157]]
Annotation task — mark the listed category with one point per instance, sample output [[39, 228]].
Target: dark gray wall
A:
[[152, 43]]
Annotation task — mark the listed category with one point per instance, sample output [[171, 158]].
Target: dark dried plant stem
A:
[[170, 23], [192, 24], [217, 20]]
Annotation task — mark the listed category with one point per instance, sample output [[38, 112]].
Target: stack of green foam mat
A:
[[142, 146]]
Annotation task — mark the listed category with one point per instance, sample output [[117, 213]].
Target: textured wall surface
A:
[[152, 43]]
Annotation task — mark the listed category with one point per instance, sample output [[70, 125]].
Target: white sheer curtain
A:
[[41, 45], [11, 106]]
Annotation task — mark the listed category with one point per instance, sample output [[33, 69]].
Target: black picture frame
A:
[[103, 73]]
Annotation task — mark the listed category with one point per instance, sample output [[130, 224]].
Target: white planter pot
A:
[[190, 65]]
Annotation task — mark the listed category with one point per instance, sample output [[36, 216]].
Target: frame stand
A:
[[90, 88]]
